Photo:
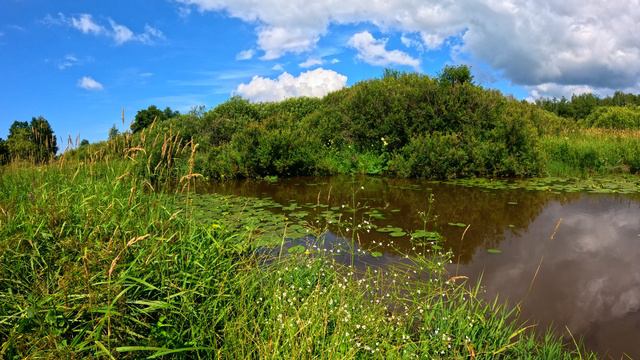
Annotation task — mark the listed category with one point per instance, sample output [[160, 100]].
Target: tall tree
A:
[[43, 138], [32, 141], [19, 141], [144, 118], [456, 75]]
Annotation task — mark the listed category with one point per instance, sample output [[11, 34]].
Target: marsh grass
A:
[[589, 152], [95, 262]]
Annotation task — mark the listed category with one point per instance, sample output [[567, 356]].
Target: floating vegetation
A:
[[627, 184], [397, 234], [428, 235], [494, 251]]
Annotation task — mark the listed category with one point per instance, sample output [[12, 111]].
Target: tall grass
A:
[[587, 152]]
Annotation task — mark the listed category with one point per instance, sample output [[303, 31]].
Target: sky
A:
[[81, 63]]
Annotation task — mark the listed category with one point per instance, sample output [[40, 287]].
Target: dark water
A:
[[572, 261]]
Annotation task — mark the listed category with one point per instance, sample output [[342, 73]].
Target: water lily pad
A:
[[430, 235], [397, 234]]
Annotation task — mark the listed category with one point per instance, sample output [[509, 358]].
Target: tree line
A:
[[33, 141], [579, 107]]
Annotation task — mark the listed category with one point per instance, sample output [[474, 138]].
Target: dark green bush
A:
[[434, 128]]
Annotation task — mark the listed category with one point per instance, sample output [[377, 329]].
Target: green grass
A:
[[96, 264], [590, 152]]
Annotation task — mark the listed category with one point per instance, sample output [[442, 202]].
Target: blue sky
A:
[[79, 63]]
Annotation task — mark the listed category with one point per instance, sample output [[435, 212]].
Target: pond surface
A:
[[571, 261]]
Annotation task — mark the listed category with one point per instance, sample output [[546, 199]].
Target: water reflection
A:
[[585, 277], [589, 277]]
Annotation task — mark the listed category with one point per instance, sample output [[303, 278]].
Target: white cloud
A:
[[277, 67], [88, 83], [410, 42], [310, 62], [68, 61], [277, 41], [373, 51], [532, 42], [86, 25], [335, 60], [314, 83], [245, 54], [118, 32]]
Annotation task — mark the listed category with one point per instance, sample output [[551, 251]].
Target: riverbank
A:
[[95, 263]]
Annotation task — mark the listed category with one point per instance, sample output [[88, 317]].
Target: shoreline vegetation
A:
[[96, 264], [103, 253]]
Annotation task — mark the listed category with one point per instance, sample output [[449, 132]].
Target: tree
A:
[[19, 141], [144, 118], [113, 132], [84, 142], [43, 138], [32, 141], [4, 152], [456, 75]]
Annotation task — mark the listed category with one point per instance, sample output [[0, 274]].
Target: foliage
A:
[[581, 106], [614, 117], [33, 141], [4, 152], [144, 118], [84, 142], [373, 127], [455, 75]]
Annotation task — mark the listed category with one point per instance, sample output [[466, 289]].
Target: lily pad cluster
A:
[[603, 185]]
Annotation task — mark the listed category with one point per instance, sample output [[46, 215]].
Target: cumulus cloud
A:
[[245, 54], [373, 51], [532, 42], [120, 34], [88, 83], [314, 83]]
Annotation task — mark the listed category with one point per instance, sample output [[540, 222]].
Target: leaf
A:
[[494, 251]]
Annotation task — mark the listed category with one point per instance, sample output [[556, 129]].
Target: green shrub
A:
[[614, 117]]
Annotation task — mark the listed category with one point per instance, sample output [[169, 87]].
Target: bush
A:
[[614, 117]]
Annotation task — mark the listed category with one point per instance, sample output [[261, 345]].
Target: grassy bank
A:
[[95, 263], [587, 152]]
